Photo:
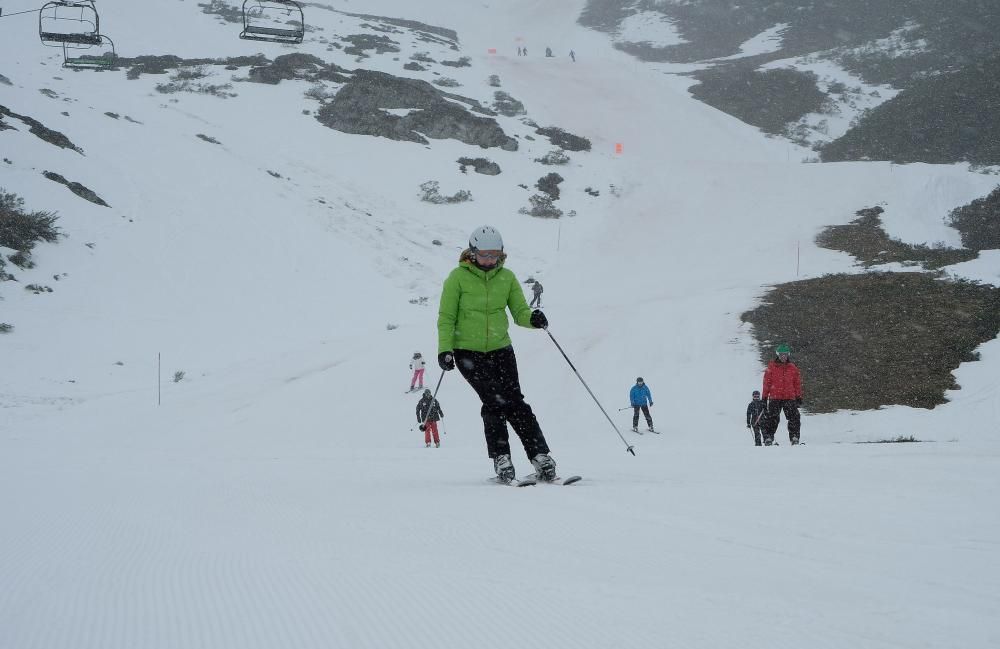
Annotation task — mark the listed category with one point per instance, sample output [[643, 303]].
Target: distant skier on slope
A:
[[572, 55], [429, 412], [417, 365], [536, 290], [639, 396], [472, 333], [782, 391], [755, 416]]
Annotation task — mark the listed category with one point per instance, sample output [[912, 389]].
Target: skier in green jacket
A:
[[472, 333]]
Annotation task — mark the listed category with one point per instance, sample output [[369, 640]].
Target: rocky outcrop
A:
[[297, 66], [361, 107], [80, 190]]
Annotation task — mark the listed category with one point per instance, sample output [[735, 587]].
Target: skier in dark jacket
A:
[[536, 300], [782, 392], [472, 334], [755, 416], [639, 396], [429, 412]]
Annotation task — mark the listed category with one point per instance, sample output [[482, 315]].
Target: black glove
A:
[[422, 427], [446, 361], [748, 425], [538, 320], [798, 401]]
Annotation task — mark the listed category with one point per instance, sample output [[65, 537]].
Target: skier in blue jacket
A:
[[639, 396]]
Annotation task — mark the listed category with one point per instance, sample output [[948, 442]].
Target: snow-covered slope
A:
[[281, 496]]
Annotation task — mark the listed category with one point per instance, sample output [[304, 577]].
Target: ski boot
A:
[[504, 468], [545, 467], [768, 441], [427, 445], [794, 440], [635, 429], [651, 429], [437, 444]]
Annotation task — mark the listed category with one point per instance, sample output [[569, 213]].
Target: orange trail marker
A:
[[492, 50], [619, 147]]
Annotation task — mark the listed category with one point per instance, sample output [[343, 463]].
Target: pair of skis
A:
[[533, 479], [641, 432]]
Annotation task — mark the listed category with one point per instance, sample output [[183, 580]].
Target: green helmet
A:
[[783, 348]]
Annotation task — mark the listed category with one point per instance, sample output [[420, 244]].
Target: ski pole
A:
[[628, 447]]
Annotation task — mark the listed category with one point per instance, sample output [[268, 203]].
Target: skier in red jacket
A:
[[782, 391]]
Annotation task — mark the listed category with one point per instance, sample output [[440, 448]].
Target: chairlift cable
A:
[[29, 11]]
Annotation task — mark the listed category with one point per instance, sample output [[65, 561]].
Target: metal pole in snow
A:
[[158, 390]]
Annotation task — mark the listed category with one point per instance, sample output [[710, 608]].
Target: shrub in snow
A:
[[494, 80], [446, 82], [178, 377], [22, 260], [20, 230], [6, 328], [542, 207], [549, 184], [463, 62], [431, 194], [506, 105], [319, 92], [554, 157], [481, 165], [188, 74]]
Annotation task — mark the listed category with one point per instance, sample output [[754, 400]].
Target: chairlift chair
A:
[[71, 24], [275, 21], [103, 61]]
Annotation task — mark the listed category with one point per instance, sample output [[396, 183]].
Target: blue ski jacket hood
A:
[[639, 395]]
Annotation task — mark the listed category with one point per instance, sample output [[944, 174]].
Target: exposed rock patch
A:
[[75, 187], [480, 165], [41, 131], [865, 239], [360, 107]]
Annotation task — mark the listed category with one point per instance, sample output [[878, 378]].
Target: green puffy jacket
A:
[[473, 307]]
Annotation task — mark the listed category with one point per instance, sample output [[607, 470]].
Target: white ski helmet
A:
[[485, 238]]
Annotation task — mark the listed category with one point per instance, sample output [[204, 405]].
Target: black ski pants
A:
[[536, 301], [645, 413], [493, 375], [774, 409]]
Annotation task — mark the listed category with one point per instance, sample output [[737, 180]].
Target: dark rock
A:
[[76, 188], [361, 43], [481, 165], [564, 140], [41, 131], [360, 107]]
